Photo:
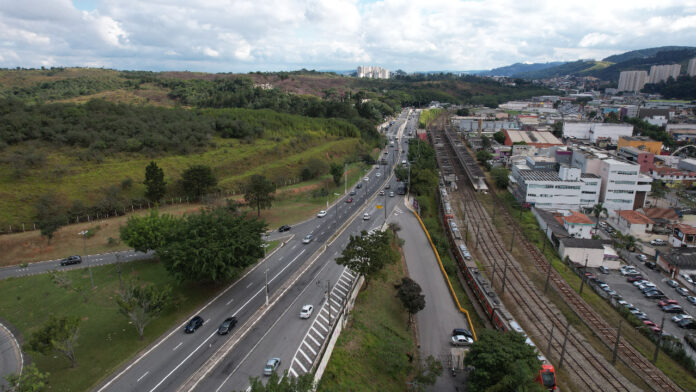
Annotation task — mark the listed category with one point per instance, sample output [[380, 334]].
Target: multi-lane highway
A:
[[297, 274]]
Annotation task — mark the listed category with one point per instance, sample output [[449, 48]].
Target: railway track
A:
[[523, 292]]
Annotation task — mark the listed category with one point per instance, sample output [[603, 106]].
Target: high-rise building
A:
[[660, 73], [691, 69], [373, 72], [632, 80]]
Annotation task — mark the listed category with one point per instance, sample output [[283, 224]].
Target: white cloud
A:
[[244, 35]]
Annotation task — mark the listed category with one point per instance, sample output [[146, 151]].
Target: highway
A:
[[278, 331]]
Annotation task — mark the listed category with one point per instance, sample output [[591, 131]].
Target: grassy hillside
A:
[[569, 68], [643, 53]]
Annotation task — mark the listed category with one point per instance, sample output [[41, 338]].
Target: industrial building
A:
[[640, 142], [533, 138], [596, 131]]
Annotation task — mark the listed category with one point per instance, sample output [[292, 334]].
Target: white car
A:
[[681, 317], [461, 340], [687, 277], [378, 174], [308, 238], [658, 242], [366, 179], [642, 257], [366, 216], [306, 311], [321, 214]]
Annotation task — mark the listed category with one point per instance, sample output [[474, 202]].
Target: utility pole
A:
[[616, 344], [565, 340], [548, 349], [548, 275], [345, 178], [659, 339], [502, 291], [582, 282], [266, 286]]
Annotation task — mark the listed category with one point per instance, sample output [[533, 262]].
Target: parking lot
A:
[[633, 295]]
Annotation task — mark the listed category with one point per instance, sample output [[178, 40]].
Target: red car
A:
[[649, 323], [666, 302], [634, 278], [349, 200]]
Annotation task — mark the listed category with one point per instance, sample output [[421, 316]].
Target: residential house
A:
[[677, 259], [633, 223], [577, 224], [683, 236]]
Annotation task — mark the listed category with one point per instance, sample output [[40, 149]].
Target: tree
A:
[[499, 137], [197, 180], [288, 383], [259, 193], [483, 156], [463, 112], [145, 233], [502, 362], [215, 245], [154, 182], [658, 189], [50, 215], [557, 129], [336, 172], [409, 293], [368, 254], [598, 210], [31, 380], [56, 335], [141, 304], [500, 176], [486, 142]]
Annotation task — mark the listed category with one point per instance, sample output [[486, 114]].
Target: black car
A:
[[284, 228], [672, 309], [359, 185], [461, 331], [687, 324], [353, 192], [655, 295], [651, 265], [71, 260], [227, 325], [194, 324]]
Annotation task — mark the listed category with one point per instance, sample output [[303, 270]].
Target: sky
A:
[[276, 35]]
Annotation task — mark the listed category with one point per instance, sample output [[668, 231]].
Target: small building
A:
[[683, 236], [577, 224], [532, 138], [645, 159], [633, 223], [579, 250], [687, 164], [677, 259], [640, 142], [682, 132], [668, 174], [664, 218]]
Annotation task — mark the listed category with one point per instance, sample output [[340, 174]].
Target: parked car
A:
[[641, 316], [628, 270], [672, 309], [461, 331], [691, 299], [366, 216], [672, 283], [603, 269], [308, 238], [461, 340], [649, 323], [271, 366], [656, 294], [651, 265], [635, 278], [642, 257], [681, 317], [194, 324], [71, 260], [658, 242], [321, 214], [284, 228], [687, 324], [686, 277], [306, 311], [682, 291], [666, 302], [227, 325]]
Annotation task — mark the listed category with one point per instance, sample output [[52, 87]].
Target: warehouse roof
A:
[[532, 137]]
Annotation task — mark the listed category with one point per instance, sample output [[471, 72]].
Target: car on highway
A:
[[366, 216], [283, 228], [321, 214], [682, 291], [194, 324], [307, 239], [366, 179], [353, 192], [381, 193], [271, 366], [461, 340], [71, 260], [672, 283], [691, 299], [349, 200], [358, 185], [658, 242], [227, 325], [387, 186], [306, 311], [391, 193], [403, 162], [378, 174], [672, 309]]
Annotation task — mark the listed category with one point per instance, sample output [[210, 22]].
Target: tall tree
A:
[[336, 172], [598, 210], [259, 193], [485, 142], [31, 380], [500, 177], [56, 335], [368, 254], [50, 215], [499, 137], [214, 245], [502, 362], [149, 232], [154, 182], [409, 293], [141, 304], [197, 180]]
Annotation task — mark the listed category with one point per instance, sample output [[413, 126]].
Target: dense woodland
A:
[[682, 88]]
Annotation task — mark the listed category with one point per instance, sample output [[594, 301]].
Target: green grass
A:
[[106, 338], [370, 353], [427, 116]]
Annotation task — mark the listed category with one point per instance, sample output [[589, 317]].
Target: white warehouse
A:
[[566, 189], [593, 131]]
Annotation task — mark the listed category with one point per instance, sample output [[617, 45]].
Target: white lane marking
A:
[[322, 327], [230, 301], [309, 347], [141, 377], [346, 279], [305, 355], [177, 346], [291, 370], [314, 340], [348, 273], [324, 318], [295, 246], [304, 369], [250, 284], [336, 302], [182, 362], [339, 288], [318, 333], [335, 311]]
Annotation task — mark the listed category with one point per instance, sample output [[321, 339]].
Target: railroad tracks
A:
[[587, 365]]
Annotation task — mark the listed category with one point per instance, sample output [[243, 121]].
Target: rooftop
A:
[[635, 217], [531, 137], [681, 257], [540, 175], [660, 213], [582, 243], [686, 229], [578, 218], [637, 138], [589, 175]]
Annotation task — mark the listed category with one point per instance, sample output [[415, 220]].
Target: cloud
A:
[[246, 35]]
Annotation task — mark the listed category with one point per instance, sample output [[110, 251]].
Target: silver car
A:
[[271, 366]]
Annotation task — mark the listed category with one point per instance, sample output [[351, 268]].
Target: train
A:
[[492, 306]]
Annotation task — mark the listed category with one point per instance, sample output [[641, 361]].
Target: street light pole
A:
[[83, 233], [266, 286]]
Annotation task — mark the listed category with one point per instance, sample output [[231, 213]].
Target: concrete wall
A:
[[595, 257]]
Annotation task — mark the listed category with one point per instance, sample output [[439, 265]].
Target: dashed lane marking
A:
[[177, 346]]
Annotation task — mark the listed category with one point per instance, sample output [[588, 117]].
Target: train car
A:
[[547, 377]]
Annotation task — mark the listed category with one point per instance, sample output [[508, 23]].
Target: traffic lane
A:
[[440, 315], [89, 260], [10, 356]]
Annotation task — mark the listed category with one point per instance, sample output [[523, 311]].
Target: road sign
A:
[[379, 206]]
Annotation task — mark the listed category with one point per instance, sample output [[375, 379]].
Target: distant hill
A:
[[643, 53], [679, 56], [518, 68], [570, 68]]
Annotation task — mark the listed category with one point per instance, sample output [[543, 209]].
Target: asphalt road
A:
[[176, 356], [10, 356]]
